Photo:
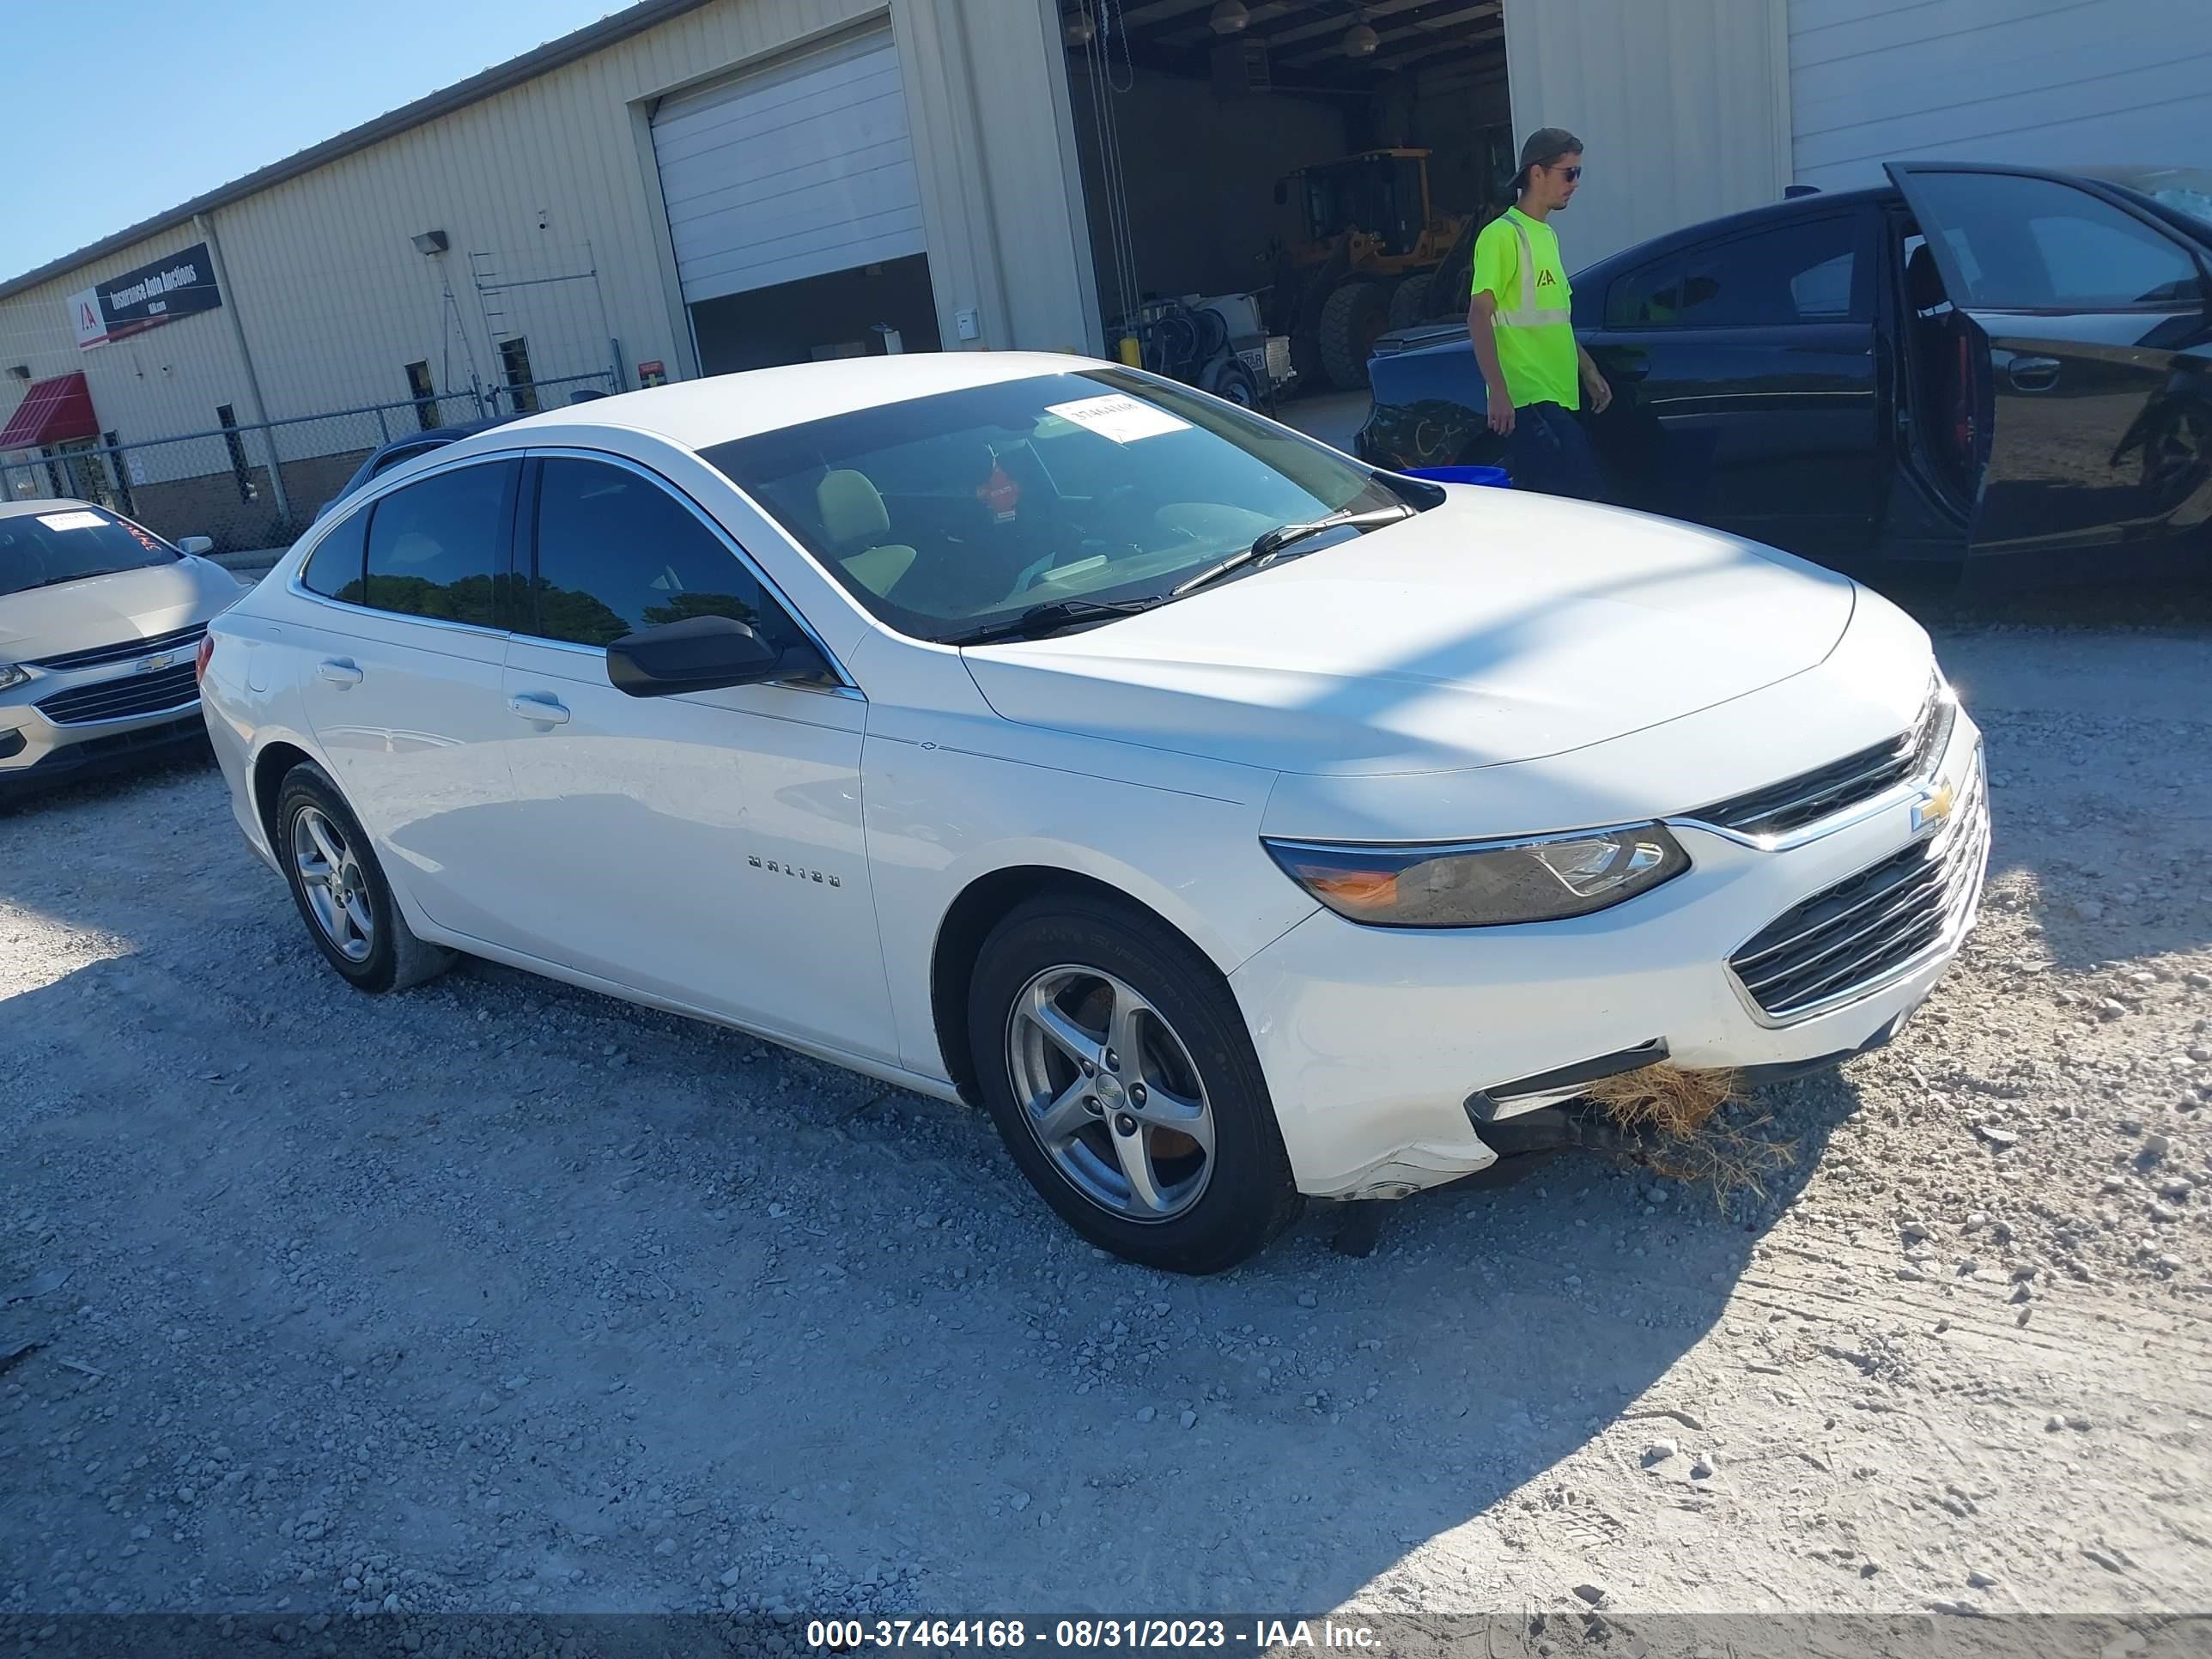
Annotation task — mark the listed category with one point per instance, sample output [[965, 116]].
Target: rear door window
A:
[[435, 547], [1810, 270]]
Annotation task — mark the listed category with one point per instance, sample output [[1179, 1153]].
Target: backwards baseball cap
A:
[[1545, 147]]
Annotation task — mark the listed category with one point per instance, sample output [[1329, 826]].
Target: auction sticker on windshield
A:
[[1122, 419], [72, 521]]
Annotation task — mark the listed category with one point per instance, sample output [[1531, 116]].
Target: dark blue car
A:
[[1997, 367]]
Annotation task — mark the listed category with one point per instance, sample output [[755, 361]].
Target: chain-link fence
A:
[[258, 485]]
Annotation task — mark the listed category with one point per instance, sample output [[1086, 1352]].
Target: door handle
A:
[[2032, 373], [544, 710], [338, 671]]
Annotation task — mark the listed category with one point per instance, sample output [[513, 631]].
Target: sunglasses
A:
[[1572, 174]]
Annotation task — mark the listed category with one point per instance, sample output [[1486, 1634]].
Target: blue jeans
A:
[[1550, 453]]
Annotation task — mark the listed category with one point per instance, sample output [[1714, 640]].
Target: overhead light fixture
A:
[[1230, 17], [1077, 28], [430, 241], [1360, 40]]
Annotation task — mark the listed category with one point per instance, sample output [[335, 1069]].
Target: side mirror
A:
[[197, 546], [700, 653]]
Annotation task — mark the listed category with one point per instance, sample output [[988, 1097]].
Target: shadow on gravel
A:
[[18, 803], [702, 1320]]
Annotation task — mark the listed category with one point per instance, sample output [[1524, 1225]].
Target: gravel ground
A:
[[501, 1296]]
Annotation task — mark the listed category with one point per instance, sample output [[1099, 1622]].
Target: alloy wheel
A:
[[1110, 1092], [336, 886]]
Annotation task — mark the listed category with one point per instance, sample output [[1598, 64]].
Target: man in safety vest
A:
[[1524, 336]]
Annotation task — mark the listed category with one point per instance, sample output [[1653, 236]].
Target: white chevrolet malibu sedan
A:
[[1236, 822]]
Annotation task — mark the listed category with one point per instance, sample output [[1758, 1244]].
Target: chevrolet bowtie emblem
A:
[[154, 664], [1934, 807]]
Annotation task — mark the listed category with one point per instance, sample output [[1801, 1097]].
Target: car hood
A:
[[1495, 628], [130, 604]]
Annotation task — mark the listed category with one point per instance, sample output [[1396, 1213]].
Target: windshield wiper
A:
[[1041, 619], [1274, 541]]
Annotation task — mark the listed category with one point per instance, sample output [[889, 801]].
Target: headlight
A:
[[1484, 884], [11, 676]]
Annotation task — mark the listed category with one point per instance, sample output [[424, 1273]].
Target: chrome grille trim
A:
[[124, 698], [1874, 927], [183, 639], [1779, 809]]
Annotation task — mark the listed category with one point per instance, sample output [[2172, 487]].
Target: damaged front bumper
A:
[[1400, 1059]]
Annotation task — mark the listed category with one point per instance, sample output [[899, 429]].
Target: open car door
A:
[[2087, 325]]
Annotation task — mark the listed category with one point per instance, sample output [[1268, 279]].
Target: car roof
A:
[[1767, 212], [698, 414]]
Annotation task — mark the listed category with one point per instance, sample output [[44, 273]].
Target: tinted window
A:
[[334, 569], [1806, 271], [68, 542], [939, 512], [434, 546], [618, 553], [2035, 243]]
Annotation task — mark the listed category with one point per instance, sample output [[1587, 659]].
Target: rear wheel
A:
[[1122, 1077], [341, 890], [1351, 323]]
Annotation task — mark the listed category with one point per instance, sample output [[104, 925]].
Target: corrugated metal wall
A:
[[2048, 81], [172, 377], [335, 301], [1684, 105]]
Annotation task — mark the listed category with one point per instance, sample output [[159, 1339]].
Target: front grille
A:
[[184, 639], [1876, 925], [121, 699], [1792, 804]]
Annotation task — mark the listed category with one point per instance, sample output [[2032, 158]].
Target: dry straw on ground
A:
[[1675, 1112]]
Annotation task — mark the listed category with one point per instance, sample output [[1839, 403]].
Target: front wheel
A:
[[1123, 1080]]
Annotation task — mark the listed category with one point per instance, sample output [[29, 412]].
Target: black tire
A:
[[1351, 323], [1248, 1196], [394, 958], [1234, 383], [1409, 303]]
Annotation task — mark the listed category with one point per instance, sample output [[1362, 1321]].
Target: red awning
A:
[[51, 412]]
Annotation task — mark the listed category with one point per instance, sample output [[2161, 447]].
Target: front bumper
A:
[[37, 752], [1374, 1040]]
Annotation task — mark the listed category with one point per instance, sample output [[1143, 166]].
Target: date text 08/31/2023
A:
[[1006, 1634]]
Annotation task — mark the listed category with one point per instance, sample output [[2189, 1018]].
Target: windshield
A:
[[69, 543], [973, 506]]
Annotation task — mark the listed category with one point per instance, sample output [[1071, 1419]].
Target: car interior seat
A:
[[858, 526]]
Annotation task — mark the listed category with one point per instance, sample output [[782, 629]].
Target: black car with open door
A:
[[2000, 368]]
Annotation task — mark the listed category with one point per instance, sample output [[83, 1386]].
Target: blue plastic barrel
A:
[[1496, 477]]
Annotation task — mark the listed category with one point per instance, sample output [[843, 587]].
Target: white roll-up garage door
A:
[[795, 171]]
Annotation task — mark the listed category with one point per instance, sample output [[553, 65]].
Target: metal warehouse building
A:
[[693, 186]]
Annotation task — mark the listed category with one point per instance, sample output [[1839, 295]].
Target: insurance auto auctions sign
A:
[[145, 298]]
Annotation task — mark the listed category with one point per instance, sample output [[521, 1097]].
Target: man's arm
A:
[[1484, 332], [1594, 384]]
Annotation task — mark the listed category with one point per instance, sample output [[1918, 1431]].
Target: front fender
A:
[[943, 815]]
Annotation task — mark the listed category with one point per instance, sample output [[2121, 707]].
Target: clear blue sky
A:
[[119, 109]]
